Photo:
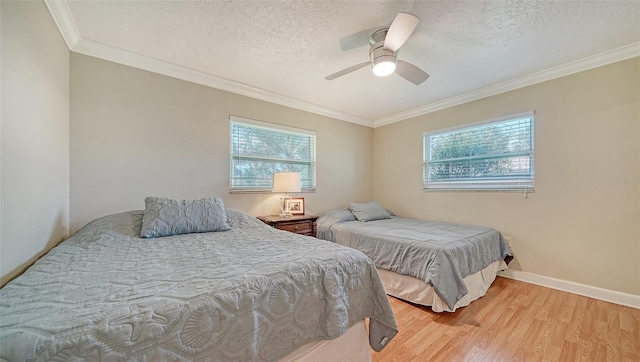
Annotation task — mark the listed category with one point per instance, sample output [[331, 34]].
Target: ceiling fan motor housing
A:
[[377, 52]]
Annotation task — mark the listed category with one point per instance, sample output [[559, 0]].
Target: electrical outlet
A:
[[508, 240]]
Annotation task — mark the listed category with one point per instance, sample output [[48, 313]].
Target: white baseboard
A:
[[629, 300]]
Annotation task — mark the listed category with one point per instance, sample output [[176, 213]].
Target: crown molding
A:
[[61, 15], [619, 54], [125, 57]]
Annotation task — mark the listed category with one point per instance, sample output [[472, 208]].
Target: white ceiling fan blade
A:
[[410, 72], [400, 30], [346, 71], [358, 39]]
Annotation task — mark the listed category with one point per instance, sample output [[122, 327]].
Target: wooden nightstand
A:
[[299, 224]]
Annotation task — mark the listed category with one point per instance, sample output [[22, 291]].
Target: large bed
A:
[[248, 293], [441, 265]]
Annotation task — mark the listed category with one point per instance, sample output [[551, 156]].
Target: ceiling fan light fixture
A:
[[383, 61], [384, 67], [384, 45]]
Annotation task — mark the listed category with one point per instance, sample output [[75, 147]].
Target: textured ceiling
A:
[[288, 47]]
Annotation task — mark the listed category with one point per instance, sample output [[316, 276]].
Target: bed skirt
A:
[[351, 346], [417, 291]]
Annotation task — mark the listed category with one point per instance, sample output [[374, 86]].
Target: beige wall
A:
[[34, 202], [136, 133], [578, 225]]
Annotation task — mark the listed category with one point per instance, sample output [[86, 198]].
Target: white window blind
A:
[[259, 149], [492, 156]]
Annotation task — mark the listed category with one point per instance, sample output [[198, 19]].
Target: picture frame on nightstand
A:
[[296, 205]]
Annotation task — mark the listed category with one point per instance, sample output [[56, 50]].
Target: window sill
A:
[[528, 191], [304, 191]]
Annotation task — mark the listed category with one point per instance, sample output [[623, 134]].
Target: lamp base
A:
[[285, 207]]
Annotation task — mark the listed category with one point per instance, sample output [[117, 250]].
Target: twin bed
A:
[[244, 292], [441, 265]]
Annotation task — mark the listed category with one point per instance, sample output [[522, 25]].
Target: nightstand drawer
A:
[[298, 224], [298, 227]]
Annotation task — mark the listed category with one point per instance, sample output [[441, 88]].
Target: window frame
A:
[[271, 127], [486, 183]]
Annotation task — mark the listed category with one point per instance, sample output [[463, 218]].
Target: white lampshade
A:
[[286, 182]]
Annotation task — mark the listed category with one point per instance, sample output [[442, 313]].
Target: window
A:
[[490, 156], [259, 149]]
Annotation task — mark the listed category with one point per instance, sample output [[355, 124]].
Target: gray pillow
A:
[[335, 216], [164, 217], [368, 211]]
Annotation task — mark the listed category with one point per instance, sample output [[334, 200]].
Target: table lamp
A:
[[285, 182]]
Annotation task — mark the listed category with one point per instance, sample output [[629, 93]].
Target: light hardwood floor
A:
[[516, 321]]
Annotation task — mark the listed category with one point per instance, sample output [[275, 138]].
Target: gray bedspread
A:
[[250, 293], [442, 254]]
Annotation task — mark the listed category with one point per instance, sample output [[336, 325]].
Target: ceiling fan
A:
[[383, 53]]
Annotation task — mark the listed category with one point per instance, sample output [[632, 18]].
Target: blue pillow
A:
[[368, 211], [164, 217]]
